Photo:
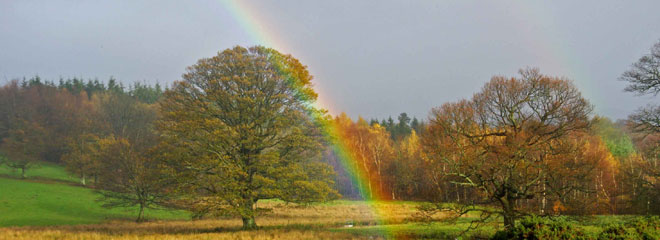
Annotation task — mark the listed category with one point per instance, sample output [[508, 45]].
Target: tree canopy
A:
[[237, 129], [501, 142]]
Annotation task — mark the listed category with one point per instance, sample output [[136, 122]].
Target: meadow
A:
[[50, 204], [49, 196]]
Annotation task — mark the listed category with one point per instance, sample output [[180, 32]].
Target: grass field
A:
[[42, 171], [50, 197], [285, 221], [49, 204]]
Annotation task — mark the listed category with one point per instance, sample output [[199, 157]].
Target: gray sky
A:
[[369, 58]]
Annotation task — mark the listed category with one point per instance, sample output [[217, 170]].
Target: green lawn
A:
[[41, 170], [37, 201]]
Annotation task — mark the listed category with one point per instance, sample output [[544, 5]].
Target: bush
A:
[[639, 228], [534, 227]]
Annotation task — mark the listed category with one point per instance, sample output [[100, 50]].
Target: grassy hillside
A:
[[50, 197]]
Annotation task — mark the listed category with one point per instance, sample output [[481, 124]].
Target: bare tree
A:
[[644, 76]]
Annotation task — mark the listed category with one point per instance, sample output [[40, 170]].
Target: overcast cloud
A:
[[369, 58]]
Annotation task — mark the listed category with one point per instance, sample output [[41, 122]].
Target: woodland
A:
[[239, 129]]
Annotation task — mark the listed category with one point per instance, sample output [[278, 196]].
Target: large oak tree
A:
[[237, 129], [501, 142]]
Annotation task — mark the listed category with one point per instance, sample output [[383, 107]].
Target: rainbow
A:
[[332, 131], [559, 56], [260, 35]]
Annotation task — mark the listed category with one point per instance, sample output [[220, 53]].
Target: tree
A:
[[644, 78], [402, 129], [642, 173], [9, 102], [83, 157], [407, 173], [415, 125], [145, 93], [617, 141], [371, 148], [584, 170], [23, 146], [499, 142], [130, 176], [125, 117], [122, 143], [237, 127], [380, 152]]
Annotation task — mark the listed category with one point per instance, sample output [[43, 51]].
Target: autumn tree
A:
[[381, 154], [10, 100], [372, 149], [128, 168], [23, 146], [130, 176], [82, 158], [582, 169], [642, 174], [238, 128], [21, 128], [500, 141], [406, 173]]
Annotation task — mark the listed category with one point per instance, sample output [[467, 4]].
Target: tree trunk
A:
[[371, 195], [247, 214], [508, 213], [23, 172], [249, 223], [543, 202], [509, 221], [140, 218]]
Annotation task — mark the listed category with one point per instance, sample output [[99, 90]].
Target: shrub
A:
[[535, 227], [639, 228]]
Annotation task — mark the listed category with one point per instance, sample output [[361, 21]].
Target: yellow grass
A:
[[257, 234], [285, 221]]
